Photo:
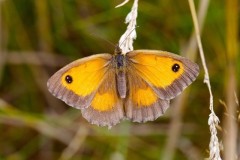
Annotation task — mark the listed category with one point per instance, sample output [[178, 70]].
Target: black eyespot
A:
[[175, 67], [68, 79]]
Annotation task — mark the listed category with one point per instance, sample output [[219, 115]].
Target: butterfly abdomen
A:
[[121, 84]]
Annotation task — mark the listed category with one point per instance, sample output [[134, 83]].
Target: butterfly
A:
[[137, 85]]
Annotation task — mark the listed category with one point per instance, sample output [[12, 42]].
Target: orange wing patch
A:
[[86, 77], [144, 96], [140, 93], [104, 101], [106, 96]]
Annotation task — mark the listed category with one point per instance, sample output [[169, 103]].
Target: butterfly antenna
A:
[[99, 37]]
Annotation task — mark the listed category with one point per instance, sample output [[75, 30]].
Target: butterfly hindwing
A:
[[106, 108], [142, 103], [166, 73], [77, 83]]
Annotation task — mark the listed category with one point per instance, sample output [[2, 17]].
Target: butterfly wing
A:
[[166, 73], [142, 103], [77, 83], [106, 108]]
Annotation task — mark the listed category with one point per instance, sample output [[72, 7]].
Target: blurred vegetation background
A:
[[38, 37]]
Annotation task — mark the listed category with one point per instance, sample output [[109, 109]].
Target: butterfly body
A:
[[137, 85], [120, 61]]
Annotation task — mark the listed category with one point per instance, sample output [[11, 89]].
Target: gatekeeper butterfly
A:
[[137, 85]]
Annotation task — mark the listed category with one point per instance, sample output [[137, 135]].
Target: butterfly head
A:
[[117, 50]]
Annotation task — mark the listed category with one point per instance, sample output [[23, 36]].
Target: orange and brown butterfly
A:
[[137, 85]]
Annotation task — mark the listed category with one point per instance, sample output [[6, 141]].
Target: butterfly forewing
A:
[[77, 83], [166, 73]]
